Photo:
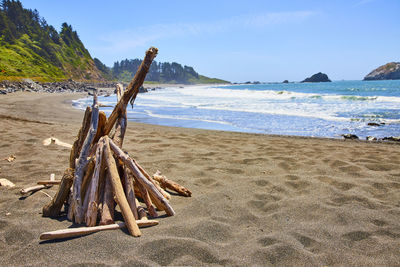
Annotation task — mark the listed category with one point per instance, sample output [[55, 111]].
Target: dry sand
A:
[[257, 199]]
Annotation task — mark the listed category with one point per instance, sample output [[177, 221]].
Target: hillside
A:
[[29, 47], [160, 72], [389, 71]]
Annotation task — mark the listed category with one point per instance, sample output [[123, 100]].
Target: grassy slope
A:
[[20, 61]]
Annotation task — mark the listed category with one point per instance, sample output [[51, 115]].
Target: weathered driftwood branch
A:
[[93, 196], [130, 193], [133, 88], [76, 205], [119, 191], [74, 232], [87, 177], [140, 177], [108, 205], [169, 184], [76, 147], [35, 188], [54, 207]]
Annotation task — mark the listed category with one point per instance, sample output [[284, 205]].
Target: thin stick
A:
[[73, 232], [35, 188]]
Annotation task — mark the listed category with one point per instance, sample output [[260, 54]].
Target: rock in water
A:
[[317, 78], [389, 71]]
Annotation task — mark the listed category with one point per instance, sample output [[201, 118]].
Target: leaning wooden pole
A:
[[133, 88], [119, 191]]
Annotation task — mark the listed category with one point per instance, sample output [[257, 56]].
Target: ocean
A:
[[301, 109]]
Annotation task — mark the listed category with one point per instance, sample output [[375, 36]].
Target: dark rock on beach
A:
[[350, 136], [389, 71], [317, 78]]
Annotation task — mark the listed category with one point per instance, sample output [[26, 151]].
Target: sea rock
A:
[[389, 71], [285, 81], [375, 124], [317, 78], [371, 138], [350, 136], [392, 138]]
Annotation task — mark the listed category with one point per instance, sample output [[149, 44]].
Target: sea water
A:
[[302, 109]]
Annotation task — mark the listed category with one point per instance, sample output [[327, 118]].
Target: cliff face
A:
[[317, 78], [389, 71]]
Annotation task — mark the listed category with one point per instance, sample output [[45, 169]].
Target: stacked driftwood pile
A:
[[101, 175]]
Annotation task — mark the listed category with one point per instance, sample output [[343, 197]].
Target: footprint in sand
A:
[[357, 235]]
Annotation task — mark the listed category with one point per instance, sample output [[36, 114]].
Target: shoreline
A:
[[257, 199]]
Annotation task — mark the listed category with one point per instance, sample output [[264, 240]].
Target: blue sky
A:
[[239, 40]]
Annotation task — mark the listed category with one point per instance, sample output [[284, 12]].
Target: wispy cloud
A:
[[141, 36]]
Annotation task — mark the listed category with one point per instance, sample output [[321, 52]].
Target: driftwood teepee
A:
[[100, 172]]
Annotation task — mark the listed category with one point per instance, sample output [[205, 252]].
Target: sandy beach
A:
[[258, 200]]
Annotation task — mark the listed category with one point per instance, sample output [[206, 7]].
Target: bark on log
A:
[[82, 161], [140, 177], [35, 188], [74, 232], [133, 88], [130, 193], [93, 196], [119, 191], [169, 184], [54, 207], [108, 205], [77, 146]]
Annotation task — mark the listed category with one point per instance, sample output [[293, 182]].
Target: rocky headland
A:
[[389, 71], [317, 78]]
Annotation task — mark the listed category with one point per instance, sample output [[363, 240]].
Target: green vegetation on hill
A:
[[29, 47], [160, 72]]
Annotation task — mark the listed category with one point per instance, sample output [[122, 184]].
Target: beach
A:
[[258, 200]]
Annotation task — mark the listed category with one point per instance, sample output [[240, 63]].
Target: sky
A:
[[239, 41]]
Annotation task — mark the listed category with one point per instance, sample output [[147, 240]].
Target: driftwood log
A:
[[74, 232], [102, 175]]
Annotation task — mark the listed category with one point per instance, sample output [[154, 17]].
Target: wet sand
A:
[[257, 199]]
